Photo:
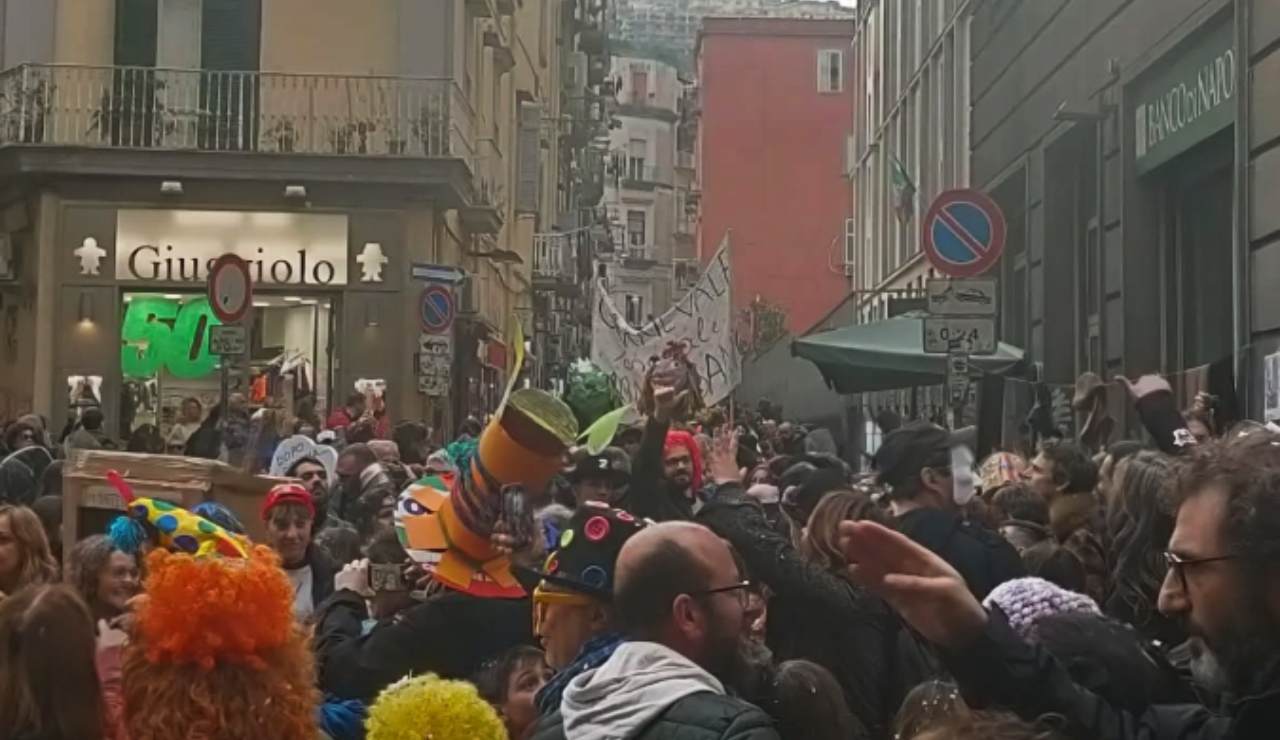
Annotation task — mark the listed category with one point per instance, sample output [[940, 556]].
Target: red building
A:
[[776, 111]]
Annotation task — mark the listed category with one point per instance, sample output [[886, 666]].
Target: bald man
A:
[[681, 602]]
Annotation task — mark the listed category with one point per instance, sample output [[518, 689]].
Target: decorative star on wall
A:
[[371, 261], [90, 255]]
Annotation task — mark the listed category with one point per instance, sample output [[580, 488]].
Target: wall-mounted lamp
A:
[[86, 308], [171, 187], [296, 192], [371, 315]]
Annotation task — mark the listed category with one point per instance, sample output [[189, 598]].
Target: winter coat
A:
[[450, 634], [646, 691], [818, 616], [1000, 670], [984, 558]]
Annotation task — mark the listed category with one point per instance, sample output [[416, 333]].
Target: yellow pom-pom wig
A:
[[216, 653], [431, 707]]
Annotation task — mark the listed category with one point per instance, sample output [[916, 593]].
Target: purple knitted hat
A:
[[1025, 600]]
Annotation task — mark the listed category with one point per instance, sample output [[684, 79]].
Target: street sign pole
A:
[[963, 236], [230, 289]]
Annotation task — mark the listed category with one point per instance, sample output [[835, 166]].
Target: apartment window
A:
[[636, 151], [636, 236], [634, 309], [830, 71], [639, 84]]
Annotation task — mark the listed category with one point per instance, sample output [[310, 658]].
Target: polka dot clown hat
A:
[[588, 550]]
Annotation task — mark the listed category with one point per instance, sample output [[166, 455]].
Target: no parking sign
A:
[[964, 233]]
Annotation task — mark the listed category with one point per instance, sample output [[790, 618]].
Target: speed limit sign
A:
[[230, 288]]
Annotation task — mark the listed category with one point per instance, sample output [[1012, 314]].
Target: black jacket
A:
[[450, 634], [649, 495], [984, 558], [816, 615], [322, 572], [1001, 670], [705, 716]]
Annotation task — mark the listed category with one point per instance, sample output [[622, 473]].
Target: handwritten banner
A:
[[702, 319]]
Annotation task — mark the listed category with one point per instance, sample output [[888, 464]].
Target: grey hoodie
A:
[[635, 686]]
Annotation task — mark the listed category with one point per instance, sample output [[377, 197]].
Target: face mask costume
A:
[[445, 519], [215, 651]]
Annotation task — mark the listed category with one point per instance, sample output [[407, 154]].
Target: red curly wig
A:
[[216, 653]]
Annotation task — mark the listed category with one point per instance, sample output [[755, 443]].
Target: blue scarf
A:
[[593, 655]]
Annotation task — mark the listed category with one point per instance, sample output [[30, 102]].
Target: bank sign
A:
[[1189, 97], [169, 246]]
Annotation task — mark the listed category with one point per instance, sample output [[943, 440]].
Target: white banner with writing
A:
[[702, 318]]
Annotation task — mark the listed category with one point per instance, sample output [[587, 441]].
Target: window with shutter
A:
[[830, 71], [136, 32], [530, 163]]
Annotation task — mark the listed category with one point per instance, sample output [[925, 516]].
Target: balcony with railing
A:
[[182, 110], [555, 261]]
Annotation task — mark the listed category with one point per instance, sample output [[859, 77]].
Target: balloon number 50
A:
[[159, 332]]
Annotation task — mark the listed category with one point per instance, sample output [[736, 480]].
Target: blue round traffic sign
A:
[[436, 309], [964, 233]]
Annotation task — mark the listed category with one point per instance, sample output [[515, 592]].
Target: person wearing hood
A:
[[573, 614], [681, 601]]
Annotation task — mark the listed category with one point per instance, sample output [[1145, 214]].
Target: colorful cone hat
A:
[[445, 520]]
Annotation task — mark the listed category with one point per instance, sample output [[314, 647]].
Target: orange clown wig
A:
[[216, 652]]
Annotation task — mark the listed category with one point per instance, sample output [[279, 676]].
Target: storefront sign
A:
[[281, 248], [1188, 99]]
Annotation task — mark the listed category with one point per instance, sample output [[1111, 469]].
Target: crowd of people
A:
[[700, 577]]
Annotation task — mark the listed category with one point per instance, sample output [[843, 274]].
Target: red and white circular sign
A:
[[230, 288]]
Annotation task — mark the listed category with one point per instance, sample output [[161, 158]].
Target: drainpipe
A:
[[1240, 272]]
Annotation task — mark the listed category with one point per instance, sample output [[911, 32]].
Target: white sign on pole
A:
[[974, 336], [228, 339], [962, 296], [702, 318], [435, 363]]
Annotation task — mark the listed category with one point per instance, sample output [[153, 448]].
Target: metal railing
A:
[[178, 109], [555, 257]]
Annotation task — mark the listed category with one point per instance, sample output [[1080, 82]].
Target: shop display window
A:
[[165, 358]]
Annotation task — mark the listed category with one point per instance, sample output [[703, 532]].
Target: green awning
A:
[[887, 355]]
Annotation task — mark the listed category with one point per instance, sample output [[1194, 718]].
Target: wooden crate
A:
[[89, 502]]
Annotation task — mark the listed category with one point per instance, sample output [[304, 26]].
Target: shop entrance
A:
[[165, 360], [1198, 283]]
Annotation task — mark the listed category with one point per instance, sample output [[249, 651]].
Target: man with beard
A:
[[666, 475], [1223, 581], [681, 601]]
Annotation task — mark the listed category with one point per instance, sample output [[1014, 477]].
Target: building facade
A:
[[345, 150], [911, 143], [1133, 152], [775, 111], [564, 251], [641, 194]]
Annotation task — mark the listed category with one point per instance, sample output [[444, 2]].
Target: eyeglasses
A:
[[741, 589], [1178, 564]]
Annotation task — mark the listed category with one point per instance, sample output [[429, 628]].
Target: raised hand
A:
[[723, 465], [927, 592]]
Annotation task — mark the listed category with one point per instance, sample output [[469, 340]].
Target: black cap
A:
[[612, 463], [588, 550], [911, 448]]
